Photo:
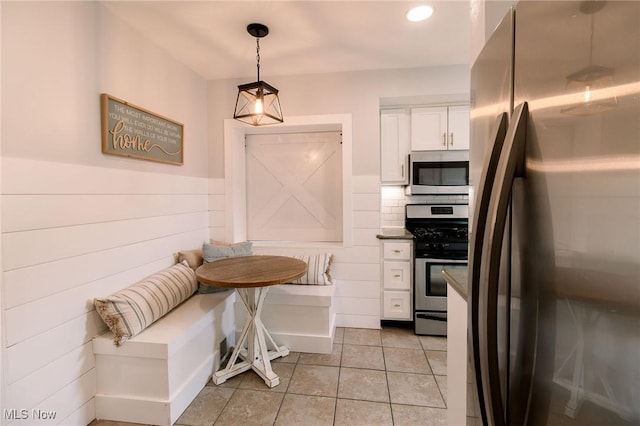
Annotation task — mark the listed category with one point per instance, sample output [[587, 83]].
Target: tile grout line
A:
[[386, 375], [335, 406]]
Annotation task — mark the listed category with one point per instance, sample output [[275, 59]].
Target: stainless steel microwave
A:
[[439, 172]]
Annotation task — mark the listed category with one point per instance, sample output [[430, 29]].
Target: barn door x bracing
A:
[[294, 187]]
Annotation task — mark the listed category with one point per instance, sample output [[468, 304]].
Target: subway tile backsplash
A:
[[394, 198]]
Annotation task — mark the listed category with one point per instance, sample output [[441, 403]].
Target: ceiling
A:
[[305, 37]]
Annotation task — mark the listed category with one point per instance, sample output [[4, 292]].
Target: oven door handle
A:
[[440, 260], [431, 317]]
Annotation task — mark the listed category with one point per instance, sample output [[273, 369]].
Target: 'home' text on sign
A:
[[131, 131]]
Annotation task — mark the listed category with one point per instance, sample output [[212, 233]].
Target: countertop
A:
[[394, 234], [457, 278]]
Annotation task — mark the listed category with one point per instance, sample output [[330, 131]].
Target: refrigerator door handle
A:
[[510, 165], [475, 253]]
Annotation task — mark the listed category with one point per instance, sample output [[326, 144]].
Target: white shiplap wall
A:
[[355, 269], [216, 209], [71, 233]]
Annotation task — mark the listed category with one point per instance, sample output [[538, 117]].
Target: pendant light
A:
[[590, 83], [257, 103]]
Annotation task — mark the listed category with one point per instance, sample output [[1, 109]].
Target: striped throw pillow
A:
[[318, 272], [131, 310]]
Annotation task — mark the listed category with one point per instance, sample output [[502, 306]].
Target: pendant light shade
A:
[[258, 103], [590, 84]]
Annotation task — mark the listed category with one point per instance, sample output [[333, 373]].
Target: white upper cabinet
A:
[[440, 128], [395, 144], [458, 127], [429, 128]]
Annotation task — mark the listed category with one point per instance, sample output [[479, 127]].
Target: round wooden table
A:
[[251, 276]]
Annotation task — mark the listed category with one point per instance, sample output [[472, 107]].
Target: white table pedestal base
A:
[[256, 355]]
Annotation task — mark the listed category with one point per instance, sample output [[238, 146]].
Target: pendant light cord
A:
[[258, 56]]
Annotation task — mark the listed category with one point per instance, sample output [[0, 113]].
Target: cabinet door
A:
[[397, 305], [458, 127], [394, 146], [429, 128], [397, 275]]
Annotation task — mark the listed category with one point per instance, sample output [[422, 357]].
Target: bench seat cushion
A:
[[134, 308], [318, 271]]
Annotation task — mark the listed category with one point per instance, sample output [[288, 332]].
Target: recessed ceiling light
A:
[[419, 13]]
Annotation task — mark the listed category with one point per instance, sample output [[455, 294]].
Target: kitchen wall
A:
[[356, 269], [76, 223], [357, 93], [485, 16]]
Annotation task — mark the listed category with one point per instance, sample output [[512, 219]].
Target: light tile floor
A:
[[372, 377]]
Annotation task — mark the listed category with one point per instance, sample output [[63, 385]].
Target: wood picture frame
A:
[[131, 131]]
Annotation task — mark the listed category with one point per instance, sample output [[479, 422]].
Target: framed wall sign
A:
[[131, 131]]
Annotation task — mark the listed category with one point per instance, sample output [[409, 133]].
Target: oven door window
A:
[[436, 285], [450, 173]]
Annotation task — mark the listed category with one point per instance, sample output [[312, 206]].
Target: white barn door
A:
[[294, 187]]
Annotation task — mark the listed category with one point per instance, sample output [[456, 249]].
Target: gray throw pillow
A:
[[214, 252]]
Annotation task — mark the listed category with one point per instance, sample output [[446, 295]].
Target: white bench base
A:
[[300, 317], [153, 377]]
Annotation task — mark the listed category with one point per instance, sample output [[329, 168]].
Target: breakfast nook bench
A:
[[152, 376], [165, 342]]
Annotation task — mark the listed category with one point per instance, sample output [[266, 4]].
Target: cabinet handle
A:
[[451, 138], [402, 171], [397, 251], [396, 276], [444, 139], [396, 305]]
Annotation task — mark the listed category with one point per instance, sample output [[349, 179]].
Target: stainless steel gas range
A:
[[441, 242]]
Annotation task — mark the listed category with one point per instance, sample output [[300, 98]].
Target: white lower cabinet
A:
[[396, 305], [396, 286], [397, 275]]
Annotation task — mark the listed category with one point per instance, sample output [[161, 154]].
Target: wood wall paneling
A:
[[353, 289], [72, 233], [29, 248], [29, 176], [24, 285], [78, 393], [30, 391], [27, 356], [366, 219]]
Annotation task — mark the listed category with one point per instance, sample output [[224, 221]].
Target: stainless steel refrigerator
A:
[[554, 266]]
